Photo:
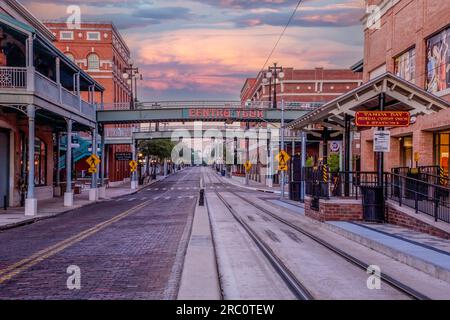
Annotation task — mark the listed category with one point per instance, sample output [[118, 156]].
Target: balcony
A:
[[18, 79]]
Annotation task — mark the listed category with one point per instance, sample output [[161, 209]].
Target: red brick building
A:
[[315, 86], [99, 49], [412, 40]]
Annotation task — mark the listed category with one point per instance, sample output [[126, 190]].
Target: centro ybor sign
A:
[[210, 113], [382, 119]]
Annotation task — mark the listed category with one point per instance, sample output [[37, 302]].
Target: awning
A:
[[401, 95]]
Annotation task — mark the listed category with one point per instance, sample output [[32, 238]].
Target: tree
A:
[[159, 148]]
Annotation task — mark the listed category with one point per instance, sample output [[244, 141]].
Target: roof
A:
[[401, 96]]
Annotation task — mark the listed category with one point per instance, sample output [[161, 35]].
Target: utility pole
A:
[[283, 176]]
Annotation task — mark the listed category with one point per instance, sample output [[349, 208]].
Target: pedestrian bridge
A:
[[185, 111]]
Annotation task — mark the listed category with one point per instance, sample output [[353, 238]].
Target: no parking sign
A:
[[335, 146]]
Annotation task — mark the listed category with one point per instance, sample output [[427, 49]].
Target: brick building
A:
[[412, 41], [99, 49]]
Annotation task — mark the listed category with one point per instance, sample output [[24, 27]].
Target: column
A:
[[58, 159], [102, 189], [134, 184], [68, 195], [30, 63], [303, 185], [347, 155], [93, 192], [31, 201]]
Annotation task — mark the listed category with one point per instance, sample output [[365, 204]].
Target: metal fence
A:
[[423, 192]]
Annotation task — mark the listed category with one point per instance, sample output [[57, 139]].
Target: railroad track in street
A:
[[293, 282]]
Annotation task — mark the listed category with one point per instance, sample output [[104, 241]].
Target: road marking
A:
[[156, 198], [132, 199], [25, 264], [119, 199], [144, 198], [167, 198]]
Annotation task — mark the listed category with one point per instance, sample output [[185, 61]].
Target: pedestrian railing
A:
[[13, 78]]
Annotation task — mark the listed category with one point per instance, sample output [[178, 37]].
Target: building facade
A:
[[99, 49], [411, 39], [43, 96]]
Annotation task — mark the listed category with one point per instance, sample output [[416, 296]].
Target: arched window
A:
[[93, 62], [70, 56]]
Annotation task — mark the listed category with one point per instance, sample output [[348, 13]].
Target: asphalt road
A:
[[127, 248]]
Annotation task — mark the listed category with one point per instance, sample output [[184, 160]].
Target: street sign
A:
[[382, 119], [335, 146], [92, 170], [248, 166], [133, 166], [93, 160], [382, 141], [123, 156], [283, 159]]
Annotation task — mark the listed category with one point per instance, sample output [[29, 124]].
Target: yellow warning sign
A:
[[133, 166], [92, 170], [283, 159], [93, 160], [248, 166]]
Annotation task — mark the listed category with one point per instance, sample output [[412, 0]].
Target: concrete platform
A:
[[421, 251]]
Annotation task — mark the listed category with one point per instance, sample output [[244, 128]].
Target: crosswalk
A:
[[153, 198], [187, 188]]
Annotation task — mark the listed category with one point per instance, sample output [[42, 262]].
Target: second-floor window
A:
[[405, 65], [70, 56], [93, 62], [66, 35], [95, 36], [438, 62]]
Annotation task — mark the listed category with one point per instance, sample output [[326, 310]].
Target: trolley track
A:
[[287, 275]]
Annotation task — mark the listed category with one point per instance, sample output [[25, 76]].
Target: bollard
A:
[[5, 206], [201, 201]]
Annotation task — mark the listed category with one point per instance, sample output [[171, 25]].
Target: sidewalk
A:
[[15, 217]]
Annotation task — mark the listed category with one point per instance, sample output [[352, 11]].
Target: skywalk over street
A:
[[224, 159]]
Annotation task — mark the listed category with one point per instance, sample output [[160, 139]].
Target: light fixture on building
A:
[[413, 120]]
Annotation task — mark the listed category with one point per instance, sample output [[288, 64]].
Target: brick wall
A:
[[400, 217], [335, 210]]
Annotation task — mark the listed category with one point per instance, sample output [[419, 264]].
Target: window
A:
[[438, 62], [66, 35], [70, 56], [93, 62], [442, 150], [94, 36], [405, 65], [40, 163]]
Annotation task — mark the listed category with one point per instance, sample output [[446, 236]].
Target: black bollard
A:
[[201, 201]]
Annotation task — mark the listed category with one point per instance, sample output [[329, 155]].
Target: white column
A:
[[30, 63], [93, 192], [58, 171], [134, 184], [68, 195], [31, 201], [102, 190]]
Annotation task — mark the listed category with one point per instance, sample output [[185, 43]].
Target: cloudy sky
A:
[[204, 49]]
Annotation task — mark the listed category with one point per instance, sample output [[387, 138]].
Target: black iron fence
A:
[[422, 191]]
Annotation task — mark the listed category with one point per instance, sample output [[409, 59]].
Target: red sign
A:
[[382, 119]]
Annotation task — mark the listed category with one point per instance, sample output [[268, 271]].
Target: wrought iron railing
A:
[[13, 78]]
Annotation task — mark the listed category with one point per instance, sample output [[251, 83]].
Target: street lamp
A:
[[131, 75], [276, 73]]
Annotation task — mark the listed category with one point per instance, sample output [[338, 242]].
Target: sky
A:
[[205, 49]]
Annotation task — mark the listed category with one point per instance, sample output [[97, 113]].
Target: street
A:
[[126, 248]]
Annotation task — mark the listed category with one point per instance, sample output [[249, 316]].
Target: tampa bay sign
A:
[[222, 113]]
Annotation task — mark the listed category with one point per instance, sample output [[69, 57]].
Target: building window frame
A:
[[437, 61], [405, 64], [66, 35], [93, 61], [93, 36]]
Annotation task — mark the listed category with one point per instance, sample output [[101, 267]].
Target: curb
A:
[[37, 219], [408, 259]]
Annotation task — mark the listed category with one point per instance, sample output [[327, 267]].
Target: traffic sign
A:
[[93, 160], [92, 170], [283, 157], [282, 167], [133, 165], [248, 166]]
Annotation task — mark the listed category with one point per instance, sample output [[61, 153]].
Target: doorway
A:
[[406, 152], [4, 168]]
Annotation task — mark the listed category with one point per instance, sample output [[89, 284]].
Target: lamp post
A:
[[132, 74], [276, 73]]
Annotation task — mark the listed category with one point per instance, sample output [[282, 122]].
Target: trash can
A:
[[223, 173], [294, 191], [373, 203]]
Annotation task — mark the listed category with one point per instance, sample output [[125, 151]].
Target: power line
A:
[[279, 39]]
